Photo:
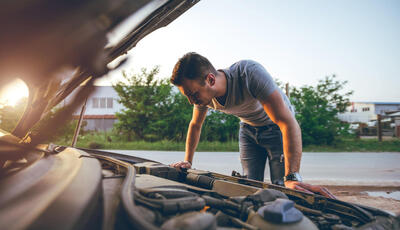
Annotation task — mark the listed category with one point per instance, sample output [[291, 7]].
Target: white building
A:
[[367, 113], [363, 112], [101, 107]]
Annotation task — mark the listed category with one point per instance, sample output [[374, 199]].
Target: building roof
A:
[[105, 116], [397, 114], [378, 103]]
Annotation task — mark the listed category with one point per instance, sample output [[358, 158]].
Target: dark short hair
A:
[[191, 66]]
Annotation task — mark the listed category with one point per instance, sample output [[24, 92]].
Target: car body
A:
[[56, 46]]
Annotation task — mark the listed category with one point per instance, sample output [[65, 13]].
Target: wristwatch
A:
[[293, 177]]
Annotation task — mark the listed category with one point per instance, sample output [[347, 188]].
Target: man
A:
[[268, 128]]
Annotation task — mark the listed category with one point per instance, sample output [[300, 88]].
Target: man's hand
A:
[[308, 188], [181, 164]]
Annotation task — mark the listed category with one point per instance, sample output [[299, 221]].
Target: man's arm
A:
[[192, 138], [280, 114]]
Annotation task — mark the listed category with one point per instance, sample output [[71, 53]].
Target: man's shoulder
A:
[[243, 68], [243, 64]]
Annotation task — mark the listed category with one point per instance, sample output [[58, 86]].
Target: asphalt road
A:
[[354, 168]]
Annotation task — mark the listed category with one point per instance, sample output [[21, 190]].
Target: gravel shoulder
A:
[[381, 197]]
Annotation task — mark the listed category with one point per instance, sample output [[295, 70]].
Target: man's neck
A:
[[221, 84], [221, 89]]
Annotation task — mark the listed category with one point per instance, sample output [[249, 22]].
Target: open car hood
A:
[[55, 46]]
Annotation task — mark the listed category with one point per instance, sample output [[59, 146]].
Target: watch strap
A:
[[293, 177]]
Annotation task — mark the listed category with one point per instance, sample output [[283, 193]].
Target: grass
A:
[[358, 145], [104, 141], [109, 141]]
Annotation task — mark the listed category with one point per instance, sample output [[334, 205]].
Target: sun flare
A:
[[11, 93]]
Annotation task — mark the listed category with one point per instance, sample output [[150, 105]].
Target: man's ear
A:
[[211, 79]]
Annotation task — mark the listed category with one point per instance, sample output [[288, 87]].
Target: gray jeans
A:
[[256, 144]]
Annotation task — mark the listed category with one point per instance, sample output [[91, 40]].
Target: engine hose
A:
[[224, 219], [199, 180], [172, 206], [243, 224], [169, 193], [220, 204], [134, 216]]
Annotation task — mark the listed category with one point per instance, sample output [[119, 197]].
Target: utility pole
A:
[[78, 126], [287, 90], [379, 127]]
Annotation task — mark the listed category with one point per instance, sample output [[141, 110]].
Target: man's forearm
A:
[[192, 140], [292, 146]]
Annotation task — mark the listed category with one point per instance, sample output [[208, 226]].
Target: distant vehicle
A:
[[55, 46], [354, 126]]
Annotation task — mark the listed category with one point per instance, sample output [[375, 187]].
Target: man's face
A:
[[196, 93]]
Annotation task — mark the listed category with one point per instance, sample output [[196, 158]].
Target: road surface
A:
[[354, 168]]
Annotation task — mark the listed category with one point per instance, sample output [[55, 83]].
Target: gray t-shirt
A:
[[247, 83]]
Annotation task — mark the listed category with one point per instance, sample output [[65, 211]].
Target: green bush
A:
[[317, 110], [95, 145]]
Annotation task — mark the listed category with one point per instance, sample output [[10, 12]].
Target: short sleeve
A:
[[259, 81]]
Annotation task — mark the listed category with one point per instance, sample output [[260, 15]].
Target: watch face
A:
[[293, 177]]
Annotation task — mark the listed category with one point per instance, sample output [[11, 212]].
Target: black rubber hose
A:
[[200, 180], [127, 196], [172, 206]]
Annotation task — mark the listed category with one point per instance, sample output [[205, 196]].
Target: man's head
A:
[[195, 76]]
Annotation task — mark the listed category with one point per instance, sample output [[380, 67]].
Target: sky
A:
[[298, 42]]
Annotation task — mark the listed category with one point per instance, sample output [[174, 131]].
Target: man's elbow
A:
[[195, 125], [287, 123]]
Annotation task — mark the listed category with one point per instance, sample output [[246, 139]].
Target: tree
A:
[[10, 115], [154, 110], [181, 114], [317, 110], [219, 126], [147, 101]]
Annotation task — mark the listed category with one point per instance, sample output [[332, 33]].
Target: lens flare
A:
[[11, 93]]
